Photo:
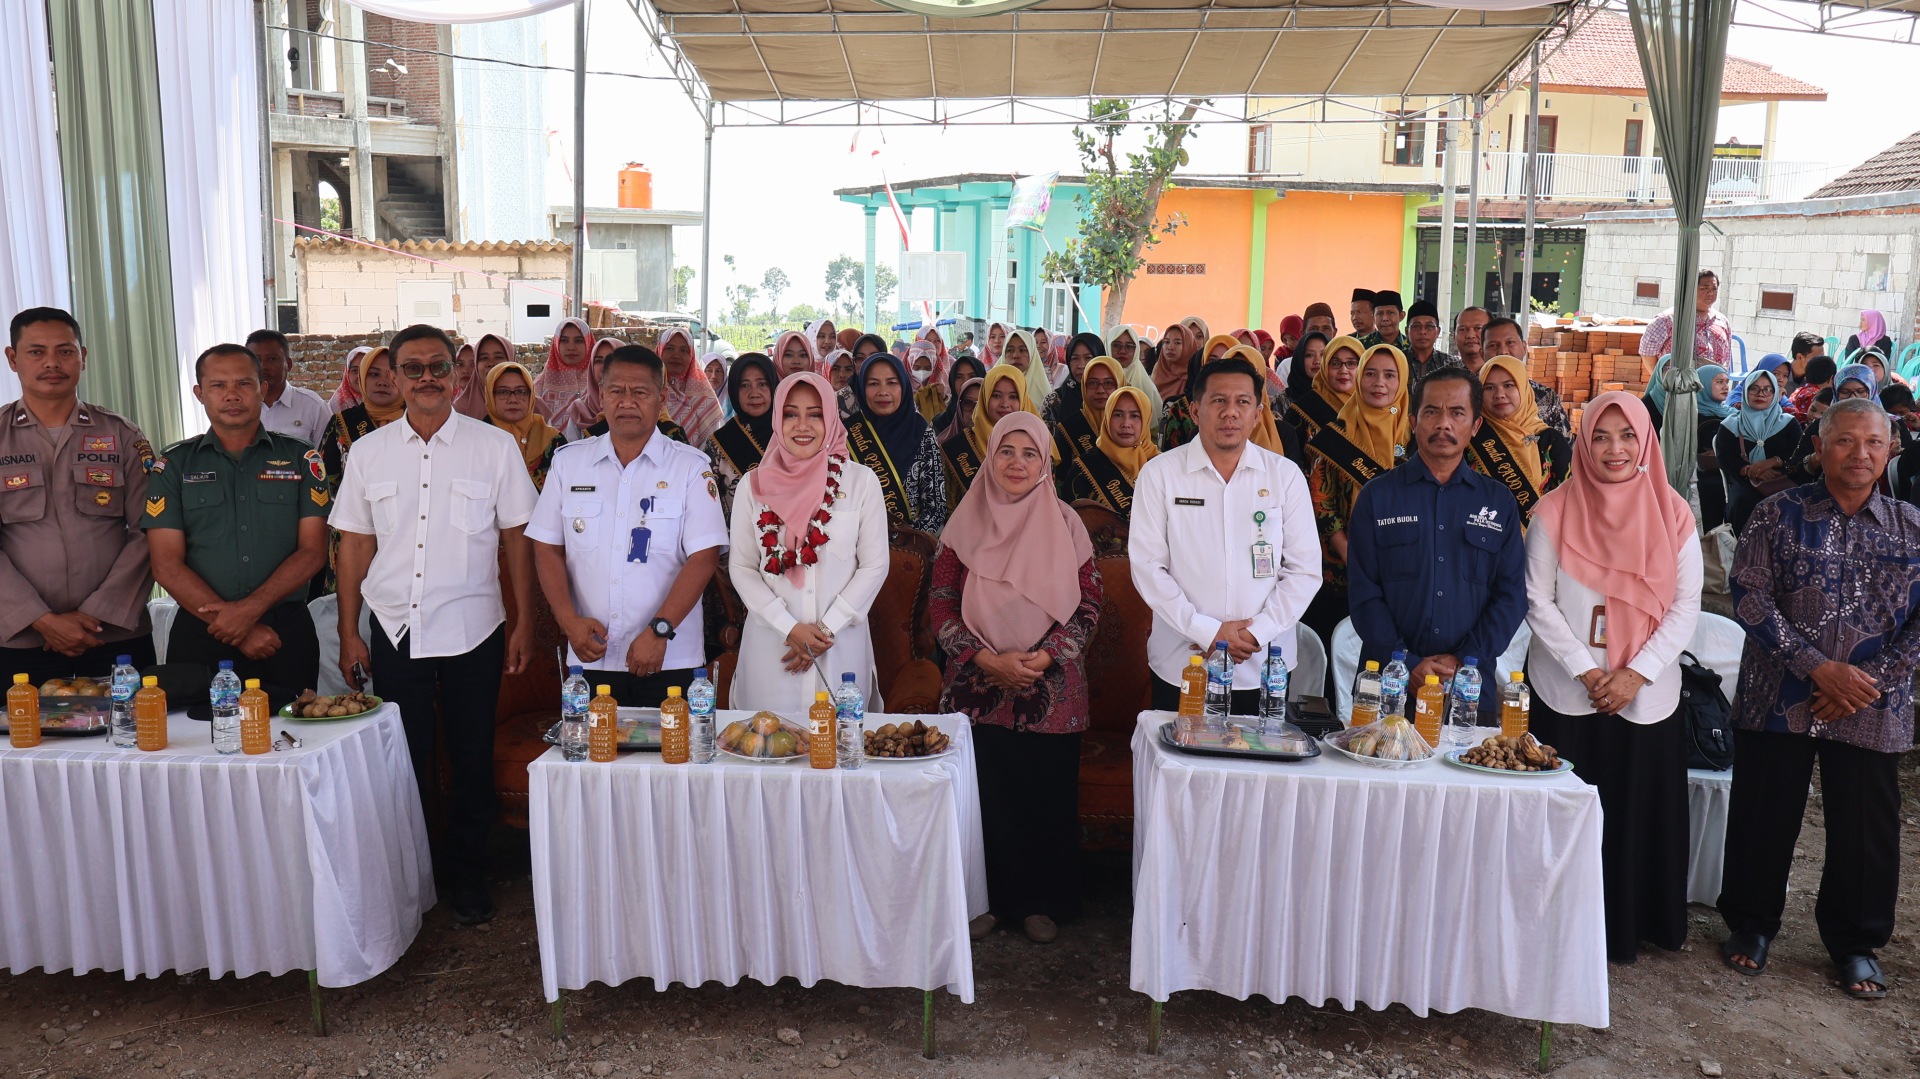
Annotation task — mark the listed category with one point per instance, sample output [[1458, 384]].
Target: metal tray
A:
[[72, 717], [1252, 736], [639, 731]]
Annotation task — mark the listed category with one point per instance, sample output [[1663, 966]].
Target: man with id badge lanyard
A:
[[1222, 544], [626, 535]]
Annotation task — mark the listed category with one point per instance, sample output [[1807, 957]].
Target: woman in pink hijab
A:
[[1872, 335], [809, 540], [1015, 600], [489, 352], [1613, 592], [690, 399], [347, 394], [565, 374]]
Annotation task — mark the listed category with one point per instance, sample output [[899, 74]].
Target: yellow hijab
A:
[[1518, 430], [983, 427], [381, 416], [1377, 432], [1098, 420], [533, 434], [1265, 433], [1216, 341], [1322, 383], [1128, 459]]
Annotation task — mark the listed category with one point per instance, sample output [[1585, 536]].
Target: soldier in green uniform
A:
[[237, 525]]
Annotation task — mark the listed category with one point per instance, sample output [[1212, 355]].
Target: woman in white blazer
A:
[[809, 541], [1613, 592]]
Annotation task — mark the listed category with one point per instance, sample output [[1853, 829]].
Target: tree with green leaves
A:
[[1120, 215], [682, 282], [772, 284], [847, 286], [742, 297]]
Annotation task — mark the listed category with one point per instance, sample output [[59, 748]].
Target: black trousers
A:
[[1860, 877], [466, 689], [295, 667], [1030, 821], [41, 664], [632, 691], [1241, 702]]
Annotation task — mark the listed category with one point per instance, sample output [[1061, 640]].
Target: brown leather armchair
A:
[[1118, 684]]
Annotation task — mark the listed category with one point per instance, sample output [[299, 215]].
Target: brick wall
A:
[[320, 358], [420, 86]]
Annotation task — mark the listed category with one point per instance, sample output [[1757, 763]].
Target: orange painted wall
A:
[[1321, 246], [1218, 223]]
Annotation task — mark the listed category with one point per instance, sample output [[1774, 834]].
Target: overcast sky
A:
[[773, 187]]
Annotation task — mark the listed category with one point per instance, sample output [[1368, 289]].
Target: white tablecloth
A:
[[1435, 887], [717, 872], [1708, 794], [184, 860]]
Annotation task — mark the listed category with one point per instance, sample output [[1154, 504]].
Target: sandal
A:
[[1861, 970], [1753, 946]]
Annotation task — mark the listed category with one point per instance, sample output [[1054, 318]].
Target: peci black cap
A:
[[1388, 299], [1363, 294], [1423, 307]]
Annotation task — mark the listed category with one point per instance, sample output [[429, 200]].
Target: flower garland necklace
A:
[[781, 559]]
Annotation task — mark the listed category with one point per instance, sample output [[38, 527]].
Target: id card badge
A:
[[1597, 629], [1263, 564], [637, 542]]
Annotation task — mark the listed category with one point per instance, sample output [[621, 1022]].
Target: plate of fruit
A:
[[764, 739], [337, 706]]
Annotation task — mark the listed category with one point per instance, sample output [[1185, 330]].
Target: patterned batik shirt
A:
[[1811, 583]]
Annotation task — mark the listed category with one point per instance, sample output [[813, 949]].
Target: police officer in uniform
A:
[[1436, 563], [627, 533], [237, 525], [74, 579]]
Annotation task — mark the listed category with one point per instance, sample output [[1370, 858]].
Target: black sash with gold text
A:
[[1332, 443], [1313, 411], [1110, 487], [1073, 436], [962, 461], [1493, 458], [736, 444], [868, 450]]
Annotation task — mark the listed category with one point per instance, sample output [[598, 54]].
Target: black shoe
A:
[[471, 904]]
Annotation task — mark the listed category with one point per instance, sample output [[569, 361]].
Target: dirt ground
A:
[[465, 1004]]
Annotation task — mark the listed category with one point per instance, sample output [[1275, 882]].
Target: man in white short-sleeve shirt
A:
[[422, 511], [286, 409], [626, 536], [1222, 542]]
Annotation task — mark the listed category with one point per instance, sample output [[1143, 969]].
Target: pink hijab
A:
[[557, 384], [585, 410], [1622, 540], [347, 394], [1876, 329], [472, 399], [690, 401], [1023, 555], [793, 487], [780, 350]]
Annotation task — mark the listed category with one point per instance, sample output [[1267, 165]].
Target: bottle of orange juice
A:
[[1516, 704], [676, 743], [23, 713], [1193, 695], [603, 725], [150, 716], [255, 736], [1429, 710], [822, 738]]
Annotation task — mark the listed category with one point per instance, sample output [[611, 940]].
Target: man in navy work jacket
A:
[[1435, 557]]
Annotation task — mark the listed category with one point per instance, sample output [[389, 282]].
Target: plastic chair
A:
[[1909, 362], [1738, 340], [162, 611], [1716, 643], [1309, 664], [1833, 347], [325, 612]]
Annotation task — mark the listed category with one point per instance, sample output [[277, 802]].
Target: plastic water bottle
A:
[[226, 709], [1463, 704], [1219, 686], [574, 698], [700, 698], [1366, 695], [125, 683], [1273, 692], [1393, 685], [850, 722]]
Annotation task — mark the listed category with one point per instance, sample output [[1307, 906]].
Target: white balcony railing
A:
[[1598, 177]]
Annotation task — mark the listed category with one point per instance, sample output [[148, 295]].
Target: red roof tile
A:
[[1601, 56], [1896, 168]]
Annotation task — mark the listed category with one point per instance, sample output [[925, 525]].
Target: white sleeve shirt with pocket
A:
[[592, 505], [435, 509]]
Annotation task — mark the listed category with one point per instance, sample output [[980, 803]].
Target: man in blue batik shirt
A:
[[1436, 561]]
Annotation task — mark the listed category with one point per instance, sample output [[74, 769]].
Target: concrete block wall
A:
[[355, 290]]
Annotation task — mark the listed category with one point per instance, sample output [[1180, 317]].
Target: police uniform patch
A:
[[713, 491], [100, 477], [143, 452], [101, 498], [318, 494], [98, 444], [315, 466], [16, 481], [156, 505]]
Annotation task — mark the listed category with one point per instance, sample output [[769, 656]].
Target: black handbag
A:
[[1708, 717]]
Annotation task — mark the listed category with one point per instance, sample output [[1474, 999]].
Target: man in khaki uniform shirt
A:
[[74, 578]]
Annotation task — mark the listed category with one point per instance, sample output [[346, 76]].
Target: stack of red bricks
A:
[[1582, 364]]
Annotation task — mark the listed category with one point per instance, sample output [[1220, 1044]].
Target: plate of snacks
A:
[[1242, 739], [907, 742], [75, 687], [310, 707], [73, 708], [639, 731], [1507, 755], [1388, 742], [765, 738]]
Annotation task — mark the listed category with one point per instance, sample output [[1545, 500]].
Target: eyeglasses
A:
[[1343, 365], [416, 371], [514, 395]]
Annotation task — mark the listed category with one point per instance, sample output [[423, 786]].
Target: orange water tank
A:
[[636, 187]]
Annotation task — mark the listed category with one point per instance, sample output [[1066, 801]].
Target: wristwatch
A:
[[661, 628]]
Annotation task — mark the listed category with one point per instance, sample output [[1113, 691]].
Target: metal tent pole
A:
[[706, 223], [1473, 211], [580, 158], [1522, 301], [1444, 298]]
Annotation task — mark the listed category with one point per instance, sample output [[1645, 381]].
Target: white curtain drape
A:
[[210, 106], [449, 11], [33, 230]]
